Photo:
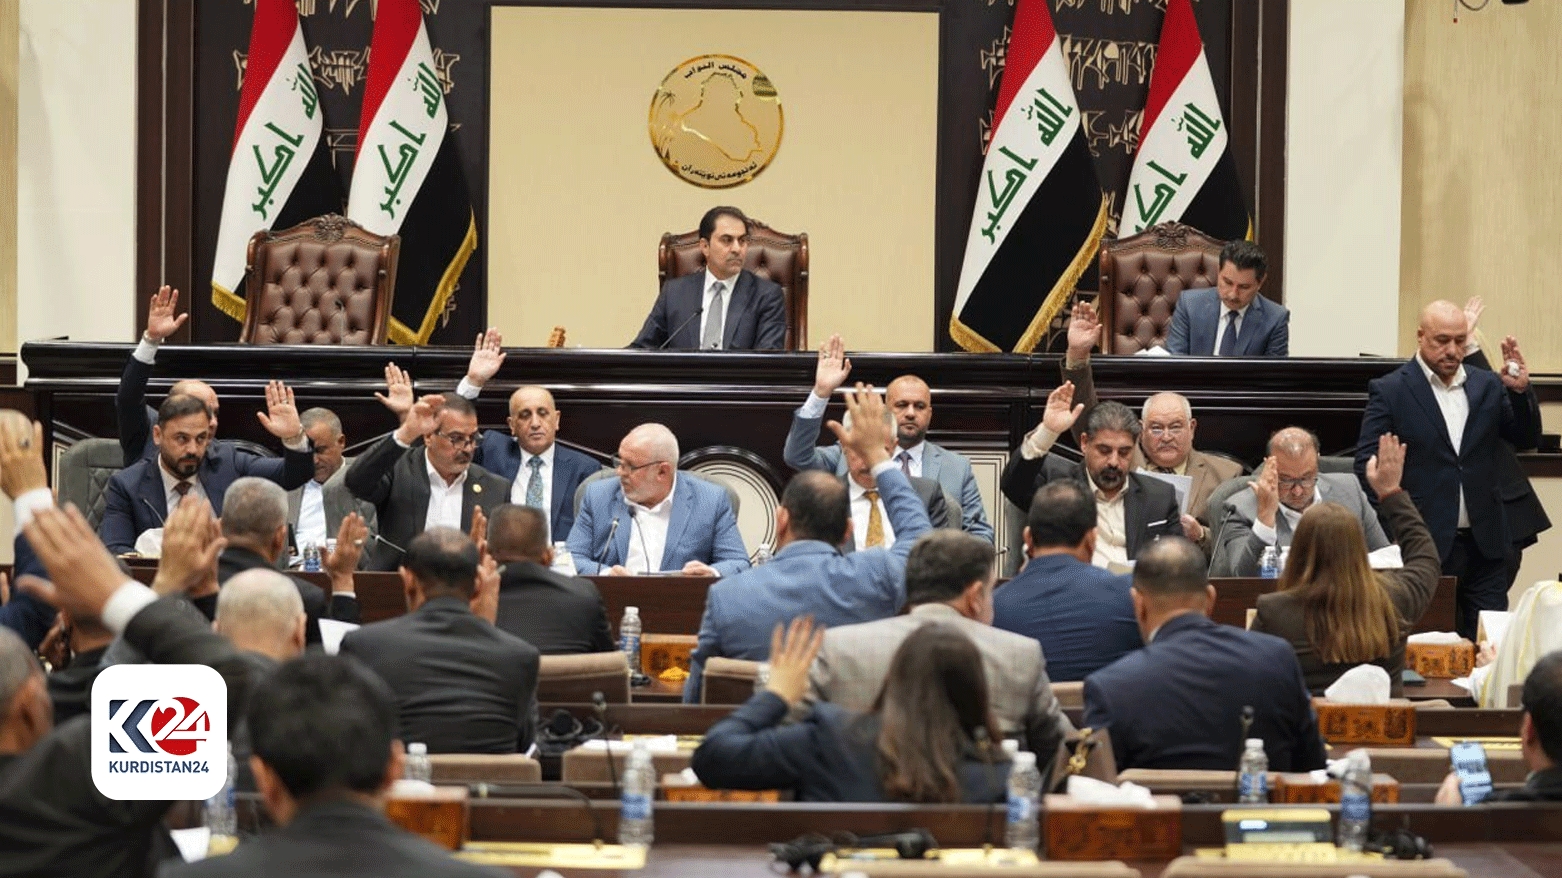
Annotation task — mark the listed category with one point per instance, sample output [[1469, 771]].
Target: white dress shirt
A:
[[1111, 527], [311, 515], [170, 496], [444, 499], [1455, 407], [1220, 325], [861, 509], [524, 475], [1268, 535], [726, 304], [648, 533]]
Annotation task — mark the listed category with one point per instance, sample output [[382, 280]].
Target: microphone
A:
[[643, 550], [607, 544], [376, 538], [687, 320], [599, 707], [161, 522]]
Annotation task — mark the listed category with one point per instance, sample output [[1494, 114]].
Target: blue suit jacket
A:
[[500, 454], [1082, 616], [29, 617], [134, 500], [1177, 703], [755, 318], [1402, 403], [1266, 327], [703, 528], [810, 576]]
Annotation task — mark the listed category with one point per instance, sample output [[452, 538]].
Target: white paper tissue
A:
[[1434, 638], [1089, 791], [1363, 684]]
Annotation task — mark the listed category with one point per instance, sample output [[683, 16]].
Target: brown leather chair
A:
[[772, 255], [728, 680], [571, 679], [324, 281], [1142, 276]]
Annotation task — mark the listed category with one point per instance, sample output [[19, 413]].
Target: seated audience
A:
[[1132, 509], [325, 753], [135, 418], [1179, 702], [1231, 319], [653, 518], [421, 475], [316, 510], [1288, 484], [809, 575], [543, 474], [559, 615], [461, 685], [1082, 616], [139, 497], [911, 405], [1336, 611], [925, 738], [949, 581], [1540, 737], [726, 307], [259, 612]]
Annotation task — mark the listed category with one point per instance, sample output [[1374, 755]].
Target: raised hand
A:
[[792, 653], [192, 540], [869, 435], [82, 574], [1511, 356], [487, 357], [1387, 467], [398, 391], [1473, 307], [1084, 332], [340, 562], [1192, 529], [833, 367], [21, 455], [1267, 488], [281, 416], [422, 420], [485, 592], [1061, 413], [479, 531], [160, 319]]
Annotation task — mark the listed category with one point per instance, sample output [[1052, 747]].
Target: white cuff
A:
[[345, 594], [882, 468], [29, 504], [298, 443], [123, 606], [1037, 442], [398, 441], [146, 351], [468, 389], [1265, 533], [814, 407]]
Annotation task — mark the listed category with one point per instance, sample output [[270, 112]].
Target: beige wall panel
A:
[[1481, 172], [578, 199], [1543, 561]]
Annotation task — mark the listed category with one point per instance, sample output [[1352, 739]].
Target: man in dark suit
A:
[[1132, 509], [1452, 421], [1527, 518], [422, 476], [560, 615], [726, 307], [1179, 702], [316, 509], [1082, 616], [461, 685], [188, 463], [131, 411], [1540, 737], [325, 753], [1231, 319]]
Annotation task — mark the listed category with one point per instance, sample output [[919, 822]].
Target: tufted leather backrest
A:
[[773, 255], [83, 473], [1142, 276], [324, 281]]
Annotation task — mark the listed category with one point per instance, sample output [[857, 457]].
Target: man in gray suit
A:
[[1267, 512], [316, 509], [910, 402], [949, 581]]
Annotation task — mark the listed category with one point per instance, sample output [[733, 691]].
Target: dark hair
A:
[[818, 505], [455, 402], [933, 700], [180, 406], [708, 221], [1244, 255], [443, 560], [1542, 700], [943, 563], [323, 723], [1171, 567], [1112, 415], [517, 533], [1061, 513]]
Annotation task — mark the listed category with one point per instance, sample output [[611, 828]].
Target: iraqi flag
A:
[[407, 177], [1184, 170], [1039, 210], [280, 172]]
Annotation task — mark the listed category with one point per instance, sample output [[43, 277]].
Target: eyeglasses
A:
[[1305, 482], [1172, 430], [459, 440], [625, 466]]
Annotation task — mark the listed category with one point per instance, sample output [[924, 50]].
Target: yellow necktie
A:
[[875, 521]]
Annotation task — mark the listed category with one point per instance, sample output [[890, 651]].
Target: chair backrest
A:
[[491, 768], [773, 255], [728, 680], [572, 679], [324, 281], [1336, 464], [84, 471], [1070, 694], [1141, 277]]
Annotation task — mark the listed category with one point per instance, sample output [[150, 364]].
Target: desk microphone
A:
[[599, 707], [161, 522], [687, 320], [608, 543], [376, 538]]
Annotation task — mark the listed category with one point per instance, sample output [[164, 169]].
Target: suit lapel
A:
[[152, 491], [1252, 328], [560, 481], [1421, 392], [1475, 394], [931, 458], [1133, 515], [693, 295], [742, 292], [295, 499], [683, 503], [420, 487], [1202, 332]]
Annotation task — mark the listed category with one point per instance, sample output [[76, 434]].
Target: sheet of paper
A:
[[1182, 484], [1494, 625], [192, 842], [332, 632], [1386, 558]]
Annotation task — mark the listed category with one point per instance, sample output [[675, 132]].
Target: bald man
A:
[[653, 518], [1451, 420], [542, 473]]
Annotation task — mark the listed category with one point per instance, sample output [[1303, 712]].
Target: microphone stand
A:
[[599, 707], [682, 326]]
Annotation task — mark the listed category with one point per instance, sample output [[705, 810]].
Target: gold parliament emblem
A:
[[716, 121]]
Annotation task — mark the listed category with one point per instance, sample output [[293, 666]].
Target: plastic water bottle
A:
[[635, 823], [629, 636], [763, 555], [1355, 801], [220, 817], [1269, 563], [418, 767], [311, 558], [1253, 774], [1022, 829], [563, 561]]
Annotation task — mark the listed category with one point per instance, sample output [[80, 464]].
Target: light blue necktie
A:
[[534, 484]]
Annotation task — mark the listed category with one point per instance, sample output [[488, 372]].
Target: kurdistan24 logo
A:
[[159, 732], [172, 726]]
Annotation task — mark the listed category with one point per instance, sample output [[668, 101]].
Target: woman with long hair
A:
[[925, 739], [1337, 611]]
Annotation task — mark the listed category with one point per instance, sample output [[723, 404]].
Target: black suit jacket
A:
[[1402, 403], [462, 685], [500, 454], [395, 480], [70, 687], [344, 608], [1150, 507], [560, 615], [1527, 518], [1177, 703], [755, 318]]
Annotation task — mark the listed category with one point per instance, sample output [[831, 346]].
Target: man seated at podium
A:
[[654, 519], [726, 307], [1231, 319]]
